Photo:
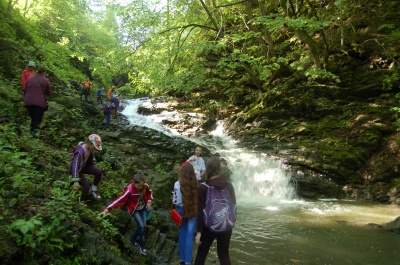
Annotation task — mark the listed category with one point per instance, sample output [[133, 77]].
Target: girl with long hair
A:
[[185, 200]]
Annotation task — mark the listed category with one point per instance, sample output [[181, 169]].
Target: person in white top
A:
[[198, 163]]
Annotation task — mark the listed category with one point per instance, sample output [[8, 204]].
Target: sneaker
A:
[[143, 251], [136, 245], [96, 195], [95, 192]]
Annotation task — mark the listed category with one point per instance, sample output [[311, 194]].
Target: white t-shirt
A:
[[177, 197], [198, 164]]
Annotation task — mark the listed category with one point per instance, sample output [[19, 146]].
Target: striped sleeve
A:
[[120, 200]]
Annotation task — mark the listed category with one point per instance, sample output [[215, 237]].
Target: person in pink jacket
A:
[[37, 89], [137, 196]]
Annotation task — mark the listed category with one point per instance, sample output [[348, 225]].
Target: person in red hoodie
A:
[[28, 72], [137, 196], [37, 89]]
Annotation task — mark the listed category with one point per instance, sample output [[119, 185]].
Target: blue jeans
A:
[[108, 118], [186, 234], [140, 218]]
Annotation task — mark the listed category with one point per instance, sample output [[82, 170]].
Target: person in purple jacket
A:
[[83, 163], [204, 236], [37, 89]]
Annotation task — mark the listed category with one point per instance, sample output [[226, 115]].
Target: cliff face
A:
[[340, 140]]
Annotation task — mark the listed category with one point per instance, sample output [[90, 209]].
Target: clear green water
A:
[[322, 232]]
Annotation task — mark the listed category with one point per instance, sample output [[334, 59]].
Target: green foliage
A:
[[110, 189], [387, 28], [303, 23], [316, 73], [24, 230], [391, 79], [106, 228]]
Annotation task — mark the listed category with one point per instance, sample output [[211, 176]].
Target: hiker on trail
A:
[[107, 110], [111, 92], [76, 86], [37, 89], [216, 184], [185, 199], [86, 89], [137, 196], [100, 96], [198, 163], [116, 105], [28, 72], [82, 163]]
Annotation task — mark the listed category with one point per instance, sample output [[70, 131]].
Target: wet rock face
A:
[[393, 226], [320, 167]]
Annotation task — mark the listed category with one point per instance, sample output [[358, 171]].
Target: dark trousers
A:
[[90, 170], [207, 238], [36, 113], [108, 119], [86, 93]]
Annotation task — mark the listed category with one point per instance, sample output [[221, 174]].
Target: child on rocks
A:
[[115, 101], [99, 96], [198, 163], [137, 196], [107, 110], [83, 163]]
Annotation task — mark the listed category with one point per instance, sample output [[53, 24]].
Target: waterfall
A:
[[255, 176]]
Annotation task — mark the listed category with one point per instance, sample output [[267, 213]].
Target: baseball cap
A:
[[96, 141], [32, 63]]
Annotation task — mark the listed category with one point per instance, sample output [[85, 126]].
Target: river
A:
[[276, 227]]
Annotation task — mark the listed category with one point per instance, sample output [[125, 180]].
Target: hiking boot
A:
[[143, 251]]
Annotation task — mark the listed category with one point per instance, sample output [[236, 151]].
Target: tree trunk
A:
[[266, 32], [253, 28], [210, 16], [10, 7], [303, 37], [311, 45]]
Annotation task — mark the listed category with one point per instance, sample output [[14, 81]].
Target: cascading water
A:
[[255, 176], [275, 228]]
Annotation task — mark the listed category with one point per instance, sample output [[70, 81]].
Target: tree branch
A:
[[209, 14], [231, 4], [187, 26]]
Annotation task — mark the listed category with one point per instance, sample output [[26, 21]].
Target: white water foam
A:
[[254, 175]]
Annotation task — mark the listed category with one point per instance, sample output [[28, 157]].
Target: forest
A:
[[289, 76]]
